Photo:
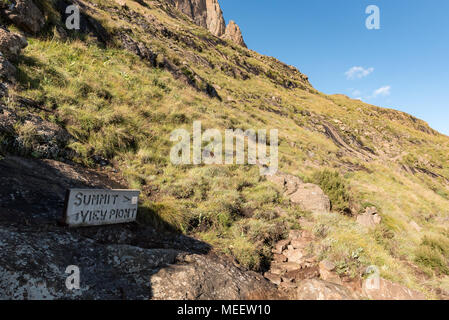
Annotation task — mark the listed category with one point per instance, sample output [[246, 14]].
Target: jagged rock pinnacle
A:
[[208, 14], [234, 34]]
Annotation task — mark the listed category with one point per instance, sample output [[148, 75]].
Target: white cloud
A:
[[383, 91], [358, 73]]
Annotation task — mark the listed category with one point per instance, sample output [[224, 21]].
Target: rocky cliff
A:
[[234, 34], [208, 14]]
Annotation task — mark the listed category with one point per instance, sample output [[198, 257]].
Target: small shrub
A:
[[111, 140], [183, 190], [335, 188], [178, 118], [262, 194], [320, 230], [246, 254], [265, 232], [437, 242], [431, 258], [163, 216]]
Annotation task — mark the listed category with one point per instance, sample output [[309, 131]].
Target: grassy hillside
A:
[[122, 107]]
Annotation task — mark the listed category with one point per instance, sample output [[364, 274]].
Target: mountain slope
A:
[[138, 70]]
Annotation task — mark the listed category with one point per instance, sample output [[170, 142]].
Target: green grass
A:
[[334, 185], [117, 106], [431, 258]]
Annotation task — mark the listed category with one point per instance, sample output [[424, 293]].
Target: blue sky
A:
[[405, 64]]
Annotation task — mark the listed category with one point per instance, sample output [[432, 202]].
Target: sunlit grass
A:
[[119, 107]]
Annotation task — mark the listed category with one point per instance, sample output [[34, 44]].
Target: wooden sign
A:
[[94, 207]]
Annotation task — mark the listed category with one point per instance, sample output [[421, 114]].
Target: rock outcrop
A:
[[298, 275], [234, 34], [215, 21], [315, 289], [308, 196], [129, 261], [32, 134], [205, 13], [387, 290], [293, 261], [11, 44], [370, 218], [197, 277], [327, 273], [208, 14], [415, 226], [7, 71], [24, 14]]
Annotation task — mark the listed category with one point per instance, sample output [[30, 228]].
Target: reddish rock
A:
[[294, 255], [234, 34], [307, 235], [369, 221], [309, 196], [327, 265], [279, 258], [215, 21], [274, 278], [314, 289], [300, 244], [281, 268], [280, 246], [327, 273], [387, 290], [276, 269], [310, 258], [302, 274], [288, 285], [294, 234], [205, 13]]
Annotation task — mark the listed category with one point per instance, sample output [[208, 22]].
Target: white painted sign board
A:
[[94, 207]]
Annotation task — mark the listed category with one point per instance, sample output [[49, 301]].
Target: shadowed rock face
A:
[[11, 44], [24, 14], [7, 72]]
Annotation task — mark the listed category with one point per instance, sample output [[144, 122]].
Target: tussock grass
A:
[[117, 106], [334, 185]]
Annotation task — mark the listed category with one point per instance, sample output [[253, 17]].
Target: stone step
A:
[[304, 273], [279, 258], [280, 246], [281, 268], [274, 278]]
